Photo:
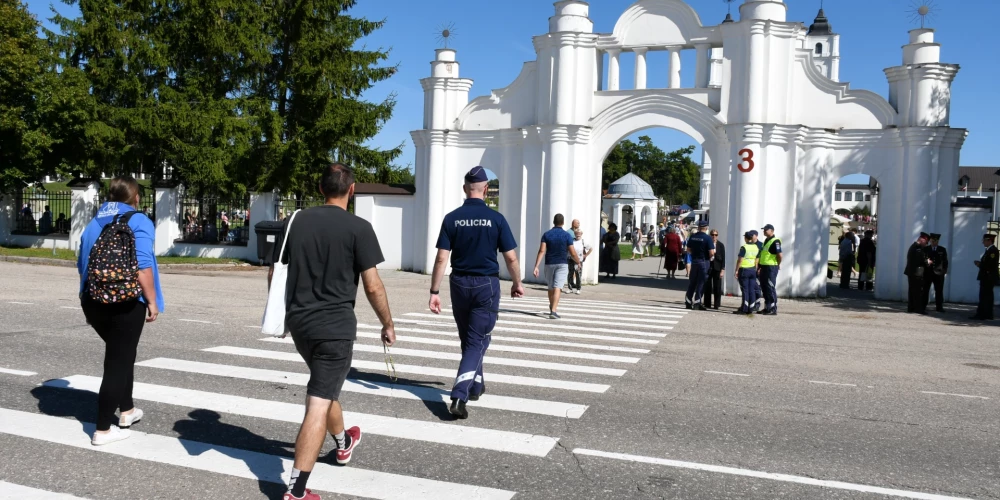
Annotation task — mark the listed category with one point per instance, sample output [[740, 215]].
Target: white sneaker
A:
[[578, 291], [126, 421], [114, 435]]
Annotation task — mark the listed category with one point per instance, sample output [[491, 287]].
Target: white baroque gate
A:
[[764, 89]]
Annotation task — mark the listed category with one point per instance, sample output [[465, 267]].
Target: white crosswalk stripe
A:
[[542, 312], [448, 434], [488, 360], [572, 301], [378, 366], [401, 391], [504, 338], [665, 313], [239, 463], [561, 324], [553, 333], [11, 490], [586, 319]]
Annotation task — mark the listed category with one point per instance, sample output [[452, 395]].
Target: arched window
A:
[[858, 196], [837, 196], [819, 49], [847, 196]]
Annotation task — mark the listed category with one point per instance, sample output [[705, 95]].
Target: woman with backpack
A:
[[119, 293]]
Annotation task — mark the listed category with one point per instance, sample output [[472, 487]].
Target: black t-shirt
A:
[[328, 249]]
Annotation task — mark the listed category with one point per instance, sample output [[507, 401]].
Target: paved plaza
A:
[[627, 396]]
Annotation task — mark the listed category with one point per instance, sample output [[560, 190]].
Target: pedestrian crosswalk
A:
[[537, 369]]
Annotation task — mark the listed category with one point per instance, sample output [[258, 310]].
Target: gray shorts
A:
[[329, 362], [555, 275]]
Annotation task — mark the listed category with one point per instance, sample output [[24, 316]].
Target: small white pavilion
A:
[[630, 200]]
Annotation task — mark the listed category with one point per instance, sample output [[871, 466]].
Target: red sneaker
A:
[[308, 496], [344, 456]]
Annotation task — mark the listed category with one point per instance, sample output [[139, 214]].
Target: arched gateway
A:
[[777, 129]]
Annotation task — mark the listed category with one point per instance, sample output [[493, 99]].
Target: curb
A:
[[38, 261]]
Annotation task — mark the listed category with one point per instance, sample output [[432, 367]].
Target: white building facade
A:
[[777, 128]]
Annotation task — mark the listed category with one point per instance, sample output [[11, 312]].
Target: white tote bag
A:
[[274, 311]]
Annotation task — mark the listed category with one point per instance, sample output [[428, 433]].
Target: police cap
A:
[[924, 235], [989, 236], [703, 223], [935, 236], [748, 234], [768, 226], [476, 175], [753, 232]]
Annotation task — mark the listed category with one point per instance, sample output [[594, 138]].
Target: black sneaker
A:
[[687, 306], [768, 313], [700, 307], [458, 409], [553, 315], [475, 397]]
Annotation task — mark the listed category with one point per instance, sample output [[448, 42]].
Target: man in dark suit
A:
[[935, 271], [716, 270], [916, 264], [988, 271]]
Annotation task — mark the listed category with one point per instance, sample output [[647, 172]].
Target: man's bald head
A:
[[475, 189]]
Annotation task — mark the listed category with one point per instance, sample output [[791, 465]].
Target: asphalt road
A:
[[628, 396]]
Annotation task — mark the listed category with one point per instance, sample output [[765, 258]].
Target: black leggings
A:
[[119, 326]]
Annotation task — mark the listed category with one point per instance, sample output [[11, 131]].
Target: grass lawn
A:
[[46, 253], [626, 251]]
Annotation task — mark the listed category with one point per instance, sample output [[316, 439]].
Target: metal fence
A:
[[43, 212], [215, 221], [147, 201], [284, 207]]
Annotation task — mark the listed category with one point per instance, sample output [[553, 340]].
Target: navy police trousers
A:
[[750, 290], [696, 282], [475, 304], [768, 278]]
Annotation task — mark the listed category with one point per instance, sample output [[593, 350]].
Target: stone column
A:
[[83, 208], [613, 69], [702, 66], [168, 217], [640, 68], [675, 68]]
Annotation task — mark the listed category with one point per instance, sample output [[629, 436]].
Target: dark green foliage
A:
[[232, 95], [673, 176]]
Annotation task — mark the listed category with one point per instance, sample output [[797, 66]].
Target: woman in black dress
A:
[[610, 255]]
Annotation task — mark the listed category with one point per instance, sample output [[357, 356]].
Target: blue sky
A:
[[493, 40]]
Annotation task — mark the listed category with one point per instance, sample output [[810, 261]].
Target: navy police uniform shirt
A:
[[474, 233], [700, 244]]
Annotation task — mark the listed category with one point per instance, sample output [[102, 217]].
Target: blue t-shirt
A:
[[144, 232], [700, 244], [474, 233], [557, 242]]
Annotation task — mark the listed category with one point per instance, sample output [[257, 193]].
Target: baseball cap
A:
[[476, 175], [748, 234], [768, 226], [753, 232]]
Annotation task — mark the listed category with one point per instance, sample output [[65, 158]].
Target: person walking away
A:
[[747, 261], [916, 263], [770, 264], [988, 268], [119, 241], [672, 248], [557, 248], [636, 244], [471, 236], [935, 272], [650, 240], [329, 251], [716, 271], [576, 272], [701, 249], [846, 252], [866, 261], [610, 253]]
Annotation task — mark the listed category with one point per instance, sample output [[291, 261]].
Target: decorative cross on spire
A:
[[923, 12], [445, 33]]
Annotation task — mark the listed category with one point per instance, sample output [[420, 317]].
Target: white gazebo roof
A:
[[631, 186]]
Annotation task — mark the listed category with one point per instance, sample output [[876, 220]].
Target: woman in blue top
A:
[[120, 325]]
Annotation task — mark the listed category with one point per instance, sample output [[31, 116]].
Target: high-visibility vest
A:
[[750, 252], [766, 257]]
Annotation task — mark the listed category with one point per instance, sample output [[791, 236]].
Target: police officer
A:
[[988, 268], [701, 249], [916, 264], [935, 271], [472, 235], [770, 263], [757, 292], [746, 273]]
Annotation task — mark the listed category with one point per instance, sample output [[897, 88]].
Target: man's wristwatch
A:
[[435, 292]]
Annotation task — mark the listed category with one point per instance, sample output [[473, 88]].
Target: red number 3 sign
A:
[[746, 157]]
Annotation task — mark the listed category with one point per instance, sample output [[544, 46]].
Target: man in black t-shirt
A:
[[329, 251]]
